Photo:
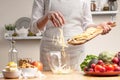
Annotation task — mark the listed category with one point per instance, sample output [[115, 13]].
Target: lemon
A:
[[11, 64]]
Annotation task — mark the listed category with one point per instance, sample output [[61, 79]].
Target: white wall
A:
[[11, 10]]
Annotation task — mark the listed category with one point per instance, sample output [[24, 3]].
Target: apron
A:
[[72, 11]]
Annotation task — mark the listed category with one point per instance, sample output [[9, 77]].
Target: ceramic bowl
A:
[[11, 74]]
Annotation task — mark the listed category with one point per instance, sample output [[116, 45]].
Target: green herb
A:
[[87, 60], [10, 27]]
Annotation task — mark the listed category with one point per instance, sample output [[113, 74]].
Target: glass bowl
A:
[[59, 62]]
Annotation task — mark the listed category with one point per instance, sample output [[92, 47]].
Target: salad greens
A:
[[87, 60]]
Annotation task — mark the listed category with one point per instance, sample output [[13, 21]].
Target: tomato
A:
[[109, 67], [85, 69], [99, 68], [91, 70], [38, 64], [100, 62], [116, 67], [115, 60], [93, 65]]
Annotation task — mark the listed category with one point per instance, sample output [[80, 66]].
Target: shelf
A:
[[104, 12], [24, 38]]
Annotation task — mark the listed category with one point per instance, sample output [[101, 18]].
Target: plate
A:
[[23, 22], [103, 73]]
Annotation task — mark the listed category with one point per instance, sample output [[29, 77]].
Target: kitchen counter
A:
[[71, 76]]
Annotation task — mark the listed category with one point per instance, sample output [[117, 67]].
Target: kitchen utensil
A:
[[87, 35]]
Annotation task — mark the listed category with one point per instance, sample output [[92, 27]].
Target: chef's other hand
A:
[[106, 27], [56, 17]]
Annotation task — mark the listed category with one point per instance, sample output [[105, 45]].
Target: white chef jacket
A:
[[77, 16]]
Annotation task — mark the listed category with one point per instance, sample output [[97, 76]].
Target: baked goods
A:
[[87, 35], [25, 63]]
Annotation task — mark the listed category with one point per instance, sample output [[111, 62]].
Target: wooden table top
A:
[[71, 76]]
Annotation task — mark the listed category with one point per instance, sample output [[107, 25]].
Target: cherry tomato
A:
[[85, 69], [91, 70], [116, 67], [109, 67], [99, 68], [115, 60], [93, 65], [100, 62]]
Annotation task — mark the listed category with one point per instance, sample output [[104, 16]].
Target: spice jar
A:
[[106, 7], [93, 5]]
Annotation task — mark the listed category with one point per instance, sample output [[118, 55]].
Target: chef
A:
[[72, 17]]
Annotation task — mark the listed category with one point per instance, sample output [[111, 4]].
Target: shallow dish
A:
[[11, 74], [103, 73]]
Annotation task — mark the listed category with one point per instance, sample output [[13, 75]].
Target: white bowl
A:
[[29, 72], [11, 74]]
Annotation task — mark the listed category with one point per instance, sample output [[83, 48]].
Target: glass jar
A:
[[13, 53], [93, 5], [112, 5]]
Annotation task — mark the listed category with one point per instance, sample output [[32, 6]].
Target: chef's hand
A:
[[56, 18], [106, 27]]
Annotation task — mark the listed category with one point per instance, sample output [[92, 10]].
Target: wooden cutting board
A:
[[87, 35]]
